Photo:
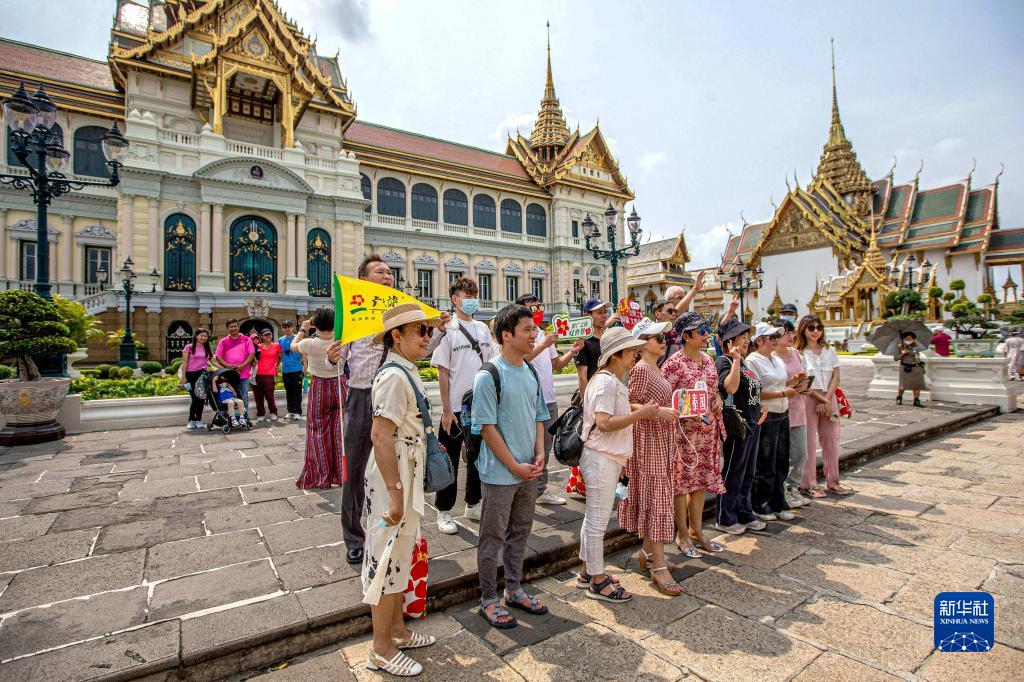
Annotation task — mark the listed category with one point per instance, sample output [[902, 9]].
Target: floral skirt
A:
[[576, 486], [415, 604]]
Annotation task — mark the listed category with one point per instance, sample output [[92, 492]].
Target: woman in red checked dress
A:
[[699, 442]]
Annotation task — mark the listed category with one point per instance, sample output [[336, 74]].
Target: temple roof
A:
[[673, 248], [838, 163], [550, 129]]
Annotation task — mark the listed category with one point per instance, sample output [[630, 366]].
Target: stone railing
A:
[[391, 220], [259, 151], [175, 137], [968, 381]]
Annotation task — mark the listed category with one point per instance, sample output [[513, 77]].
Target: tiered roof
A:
[[838, 164]]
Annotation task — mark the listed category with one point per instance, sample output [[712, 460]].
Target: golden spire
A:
[[550, 131], [776, 303], [838, 162], [873, 256]]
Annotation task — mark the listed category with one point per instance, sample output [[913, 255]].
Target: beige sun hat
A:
[[616, 339], [402, 315]]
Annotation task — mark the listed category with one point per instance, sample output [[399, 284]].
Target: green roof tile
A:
[[977, 204], [1004, 239], [935, 204], [915, 232], [897, 201]]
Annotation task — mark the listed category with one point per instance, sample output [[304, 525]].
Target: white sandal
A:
[[417, 640], [400, 665]]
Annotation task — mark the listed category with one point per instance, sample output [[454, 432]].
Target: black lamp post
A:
[[591, 230], [741, 280], [154, 277], [40, 149], [101, 277], [129, 358]]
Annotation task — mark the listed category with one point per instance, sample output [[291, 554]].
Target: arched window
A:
[[179, 253], [424, 202], [88, 152], [367, 187], [253, 251], [456, 208], [483, 212], [391, 197], [511, 216], [318, 262], [536, 220], [12, 160]]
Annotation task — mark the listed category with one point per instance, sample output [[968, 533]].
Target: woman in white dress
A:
[[1015, 353], [394, 487]]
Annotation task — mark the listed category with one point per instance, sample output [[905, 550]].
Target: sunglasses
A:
[[660, 338], [774, 337], [815, 328], [424, 330], [536, 307]]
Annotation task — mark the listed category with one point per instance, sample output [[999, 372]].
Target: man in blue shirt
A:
[[511, 458], [291, 369]]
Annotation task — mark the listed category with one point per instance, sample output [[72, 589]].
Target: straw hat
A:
[[616, 339], [402, 315]]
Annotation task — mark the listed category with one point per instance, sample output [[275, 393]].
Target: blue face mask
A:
[[789, 318], [470, 306]]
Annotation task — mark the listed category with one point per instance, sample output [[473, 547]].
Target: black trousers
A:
[[293, 391], [768, 494], [452, 442], [195, 408], [358, 418]]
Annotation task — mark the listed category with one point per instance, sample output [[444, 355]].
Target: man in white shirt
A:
[[546, 360], [460, 354]]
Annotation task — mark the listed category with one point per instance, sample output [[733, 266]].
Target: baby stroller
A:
[[208, 382]]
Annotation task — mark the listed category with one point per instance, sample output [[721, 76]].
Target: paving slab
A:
[[275, 490], [226, 479], [1001, 663], [310, 567], [942, 564], [1008, 580], [24, 527], [1004, 548], [303, 533], [92, 517], [16, 555], [248, 516], [183, 557], [747, 591], [66, 581], [758, 551], [830, 666], [530, 629], [857, 579], [207, 636], [213, 588], [197, 502], [148, 532]]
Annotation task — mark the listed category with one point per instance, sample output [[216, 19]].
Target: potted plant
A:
[[83, 328], [31, 326]]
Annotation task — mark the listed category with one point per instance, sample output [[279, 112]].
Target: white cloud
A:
[[707, 246], [946, 145], [512, 122], [651, 160]]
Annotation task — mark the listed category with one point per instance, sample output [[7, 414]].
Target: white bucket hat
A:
[[402, 315], [614, 340], [764, 329], [648, 327]]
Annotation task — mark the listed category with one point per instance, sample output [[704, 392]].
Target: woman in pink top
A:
[[195, 358], [794, 361], [266, 374]]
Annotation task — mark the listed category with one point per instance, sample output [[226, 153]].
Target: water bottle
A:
[[188, 388], [475, 429], [622, 491]]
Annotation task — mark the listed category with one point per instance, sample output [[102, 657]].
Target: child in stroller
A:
[[229, 410]]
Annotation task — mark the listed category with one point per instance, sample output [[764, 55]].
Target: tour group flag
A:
[[359, 307]]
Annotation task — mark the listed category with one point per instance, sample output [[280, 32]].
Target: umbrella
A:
[[888, 336]]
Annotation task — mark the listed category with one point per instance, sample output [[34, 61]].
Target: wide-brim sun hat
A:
[[401, 315], [764, 329], [730, 329], [688, 322], [648, 327], [614, 340]]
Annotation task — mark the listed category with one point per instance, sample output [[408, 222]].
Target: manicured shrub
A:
[[6, 372], [103, 371], [150, 367]]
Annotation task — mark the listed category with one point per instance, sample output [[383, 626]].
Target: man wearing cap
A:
[[587, 357], [291, 369], [363, 358]]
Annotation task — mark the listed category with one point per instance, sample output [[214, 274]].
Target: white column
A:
[[203, 240], [3, 245], [300, 248], [155, 242], [290, 246], [66, 244], [218, 238], [127, 223], [336, 252]]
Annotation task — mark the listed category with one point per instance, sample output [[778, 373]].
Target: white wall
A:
[[796, 274]]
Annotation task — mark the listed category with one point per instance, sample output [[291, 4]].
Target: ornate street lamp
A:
[[741, 280], [40, 149], [154, 277], [129, 357], [101, 277], [592, 231]]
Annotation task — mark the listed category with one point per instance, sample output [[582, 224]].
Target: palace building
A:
[[835, 246], [251, 178]]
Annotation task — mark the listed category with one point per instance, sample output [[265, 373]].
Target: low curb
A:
[[274, 645]]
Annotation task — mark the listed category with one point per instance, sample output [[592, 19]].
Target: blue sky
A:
[[708, 106]]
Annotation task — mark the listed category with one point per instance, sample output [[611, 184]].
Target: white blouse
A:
[[773, 375], [820, 366]]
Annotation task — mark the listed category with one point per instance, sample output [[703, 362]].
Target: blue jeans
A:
[[243, 386]]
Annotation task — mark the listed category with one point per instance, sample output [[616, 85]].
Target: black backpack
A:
[[473, 440], [568, 433]]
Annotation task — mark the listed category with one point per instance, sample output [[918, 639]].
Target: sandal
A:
[[689, 550], [583, 581], [840, 490], [615, 596], [815, 492], [399, 664], [669, 589], [515, 601], [498, 612], [415, 642], [644, 558], [712, 547]]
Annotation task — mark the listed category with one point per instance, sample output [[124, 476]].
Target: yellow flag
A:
[[359, 307]]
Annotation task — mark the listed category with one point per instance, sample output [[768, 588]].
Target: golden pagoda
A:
[[550, 132]]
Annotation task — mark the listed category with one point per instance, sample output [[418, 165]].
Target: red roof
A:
[[398, 140], [58, 66]]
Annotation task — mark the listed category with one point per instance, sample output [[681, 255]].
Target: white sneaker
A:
[[795, 499], [785, 515], [446, 524], [547, 498], [766, 517], [734, 529], [258, 420], [755, 524], [473, 512], [191, 426], [273, 417]]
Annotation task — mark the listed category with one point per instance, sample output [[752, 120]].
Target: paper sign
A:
[[572, 327], [691, 402], [630, 313]]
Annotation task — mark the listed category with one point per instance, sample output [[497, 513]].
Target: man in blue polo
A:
[[291, 369]]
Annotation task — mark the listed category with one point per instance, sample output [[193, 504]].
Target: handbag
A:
[[438, 472], [735, 425]]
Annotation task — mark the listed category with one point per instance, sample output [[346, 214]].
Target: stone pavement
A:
[[134, 552], [844, 592]]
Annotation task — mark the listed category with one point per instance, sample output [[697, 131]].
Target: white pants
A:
[[601, 475]]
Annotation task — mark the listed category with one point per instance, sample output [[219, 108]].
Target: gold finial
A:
[[549, 86], [917, 176], [788, 188], [974, 166], [893, 168], [835, 99], [743, 218], [1001, 169], [796, 180]]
